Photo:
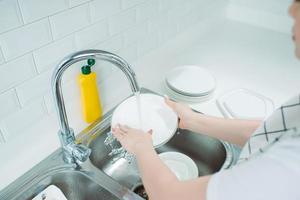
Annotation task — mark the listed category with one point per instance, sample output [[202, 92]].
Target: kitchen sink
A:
[[111, 177], [209, 155], [83, 182], [75, 185]]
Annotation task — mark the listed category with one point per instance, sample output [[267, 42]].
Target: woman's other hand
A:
[[133, 140], [185, 113]]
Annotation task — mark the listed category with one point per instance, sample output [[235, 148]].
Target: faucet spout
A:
[[66, 133]]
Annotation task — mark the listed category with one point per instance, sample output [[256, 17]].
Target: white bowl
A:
[[180, 164], [155, 114]]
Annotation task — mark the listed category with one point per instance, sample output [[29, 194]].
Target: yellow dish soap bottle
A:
[[90, 100]]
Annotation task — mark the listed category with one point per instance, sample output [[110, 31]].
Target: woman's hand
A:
[[185, 113], [133, 140]]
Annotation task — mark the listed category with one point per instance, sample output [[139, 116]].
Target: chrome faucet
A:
[[74, 153]]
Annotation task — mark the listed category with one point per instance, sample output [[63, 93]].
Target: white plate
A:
[[187, 99], [191, 80], [50, 193], [180, 164], [155, 114]]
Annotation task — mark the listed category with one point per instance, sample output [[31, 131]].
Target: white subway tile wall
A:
[[33, 10], [103, 70], [114, 44], [129, 53], [2, 140], [16, 72], [130, 3], [10, 15], [147, 10], [1, 58], [92, 35], [36, 34], [77, 2], [47, 56], [264, 13], [122, 21], [101, 9], [9, 103], [135, 34], [70, 21], [34, 88], [25, 39], [276, 7], [16, 123]]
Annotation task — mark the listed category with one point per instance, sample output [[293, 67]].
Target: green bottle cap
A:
[[86, 69], [91, 62]]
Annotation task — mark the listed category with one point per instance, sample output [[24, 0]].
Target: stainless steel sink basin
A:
[[110, 178], [209, 155], [74, 184], [77, 183]]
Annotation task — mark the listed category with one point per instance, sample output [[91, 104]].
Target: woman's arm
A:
[[232, 130], [159, 181]]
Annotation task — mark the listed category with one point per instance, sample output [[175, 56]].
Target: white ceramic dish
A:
[[50, 193], [191, 81], [180, 164], [155, 114]]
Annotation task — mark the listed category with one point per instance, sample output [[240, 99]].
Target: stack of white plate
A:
[[190, 84]]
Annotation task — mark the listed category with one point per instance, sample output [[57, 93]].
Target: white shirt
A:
[[269, 164]]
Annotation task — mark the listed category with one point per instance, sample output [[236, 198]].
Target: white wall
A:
[[36, 34], [269, 14]]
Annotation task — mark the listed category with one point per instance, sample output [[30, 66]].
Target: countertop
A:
[[239, 55]]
